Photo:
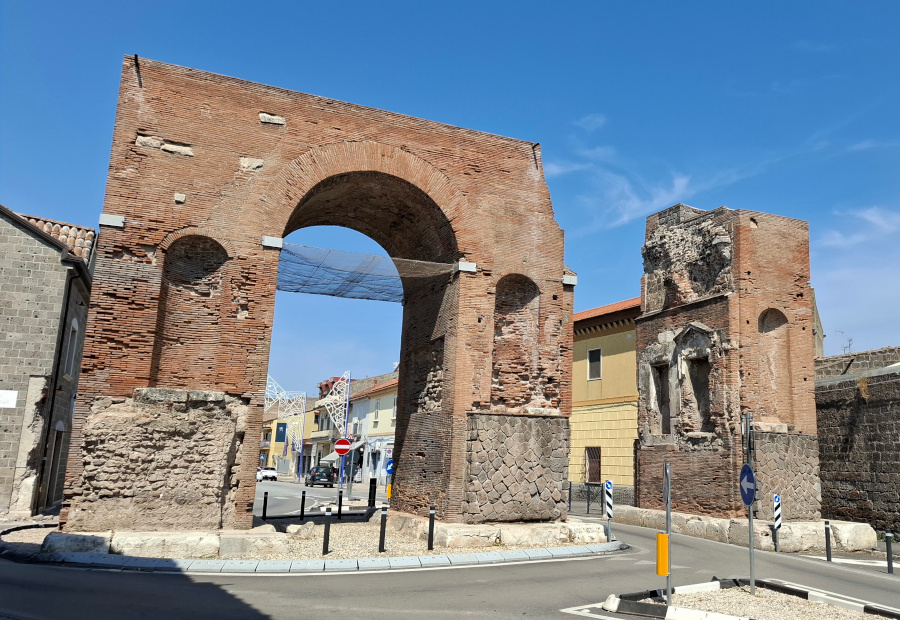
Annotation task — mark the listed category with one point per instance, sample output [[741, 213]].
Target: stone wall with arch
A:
[[200, 159]]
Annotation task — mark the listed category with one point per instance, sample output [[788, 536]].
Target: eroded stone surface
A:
[[164, 458], [166, 544], [61, 542]]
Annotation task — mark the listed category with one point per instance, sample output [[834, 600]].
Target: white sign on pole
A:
[[8, 399]]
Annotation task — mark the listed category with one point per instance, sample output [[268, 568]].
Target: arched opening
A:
[[515, 377], [190, 304], [407, 225], [775, 378]]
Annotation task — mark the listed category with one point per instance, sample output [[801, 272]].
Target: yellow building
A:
[[604, 395]]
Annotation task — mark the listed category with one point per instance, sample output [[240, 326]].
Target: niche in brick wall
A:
[[774, 368], [515, 373], [187, 347]]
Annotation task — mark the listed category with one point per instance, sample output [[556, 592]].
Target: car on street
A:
[[321, 474], [266, 473]]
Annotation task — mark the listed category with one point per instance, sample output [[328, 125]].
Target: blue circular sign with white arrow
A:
[[389, 468], [748, 485]]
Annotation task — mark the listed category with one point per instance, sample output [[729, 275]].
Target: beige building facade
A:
[[604, 396]]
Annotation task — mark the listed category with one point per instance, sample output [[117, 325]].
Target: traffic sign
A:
[[748, 485], [342, 446], [389, 468]]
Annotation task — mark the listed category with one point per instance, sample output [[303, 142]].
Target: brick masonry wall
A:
[[854, 363], [723, 308], [201, 155], [859, 448], [787, 464], [32, 282]]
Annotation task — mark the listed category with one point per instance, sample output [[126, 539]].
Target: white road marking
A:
[[585, 611]]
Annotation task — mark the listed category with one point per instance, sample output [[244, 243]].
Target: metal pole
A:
[[570, 496], [827, 541], [372, 488], [888, 539], [265, 504], [775, 539], [346, 425], [340, 502], [302, 504], [383, 528], [302, 435], [668, 498], [751, 537], [587, 488], [431, 529], [327, 531]]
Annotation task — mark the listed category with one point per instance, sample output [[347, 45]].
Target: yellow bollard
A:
[[389, 491], [662, 555]]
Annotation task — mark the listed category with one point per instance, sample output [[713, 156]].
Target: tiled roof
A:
[[628, 304], [78, 239], [379, 387]]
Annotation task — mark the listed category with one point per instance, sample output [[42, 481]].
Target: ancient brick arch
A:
[[206, 173]]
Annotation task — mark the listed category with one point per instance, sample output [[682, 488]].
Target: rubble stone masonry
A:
[[725, 329], [202, 168], [859, 447]]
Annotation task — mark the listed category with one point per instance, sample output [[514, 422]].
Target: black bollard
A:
[[265, 504], [888, 539], [373, 483], [570, 497], [302, 504], [827, 541], [431, 529], [340, 502], [587, 488], [383, 528], [327, 531]]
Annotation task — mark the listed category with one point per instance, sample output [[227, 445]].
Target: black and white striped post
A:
[[777, 524], [608, 497]]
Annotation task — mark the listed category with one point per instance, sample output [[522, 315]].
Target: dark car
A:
[[321, 474]]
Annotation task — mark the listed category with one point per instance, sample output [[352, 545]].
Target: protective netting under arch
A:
[[302, 269]]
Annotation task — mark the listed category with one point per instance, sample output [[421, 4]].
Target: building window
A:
[[592, 464], [375, 414], [594, 364], [72, 348], [394, 413]]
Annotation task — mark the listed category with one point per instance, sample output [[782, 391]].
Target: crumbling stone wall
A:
[[163, 459], [212, 160], [859, 447], [855, 363], [725, 329], [787, 464], [517, 467]]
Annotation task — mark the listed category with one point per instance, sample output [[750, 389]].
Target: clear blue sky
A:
[[789, 108]]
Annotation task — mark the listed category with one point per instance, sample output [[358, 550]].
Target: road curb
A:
[[630, 603], [285, 567]]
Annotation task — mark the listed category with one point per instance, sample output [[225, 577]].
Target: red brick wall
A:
[[423, 190], [730, 287]]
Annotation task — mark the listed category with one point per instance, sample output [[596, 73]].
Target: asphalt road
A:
[[537, 590]]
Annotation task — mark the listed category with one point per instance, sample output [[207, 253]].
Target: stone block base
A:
[[794, 537]]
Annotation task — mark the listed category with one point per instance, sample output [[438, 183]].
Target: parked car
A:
[[266, 473], [321, 474]]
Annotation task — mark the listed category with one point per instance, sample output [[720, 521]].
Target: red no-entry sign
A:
[[342, 446]]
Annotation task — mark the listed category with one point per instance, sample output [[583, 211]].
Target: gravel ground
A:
[[766, 605], [347, 541]]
